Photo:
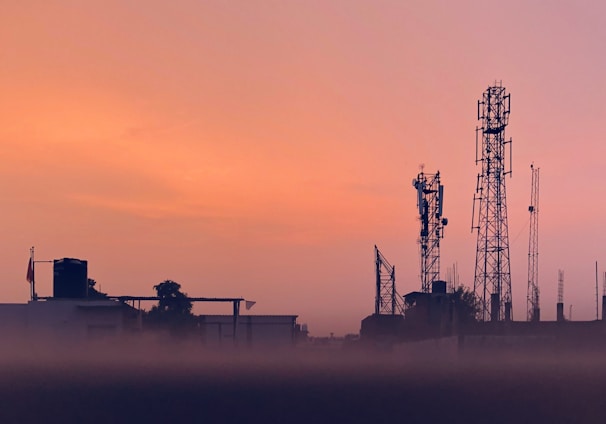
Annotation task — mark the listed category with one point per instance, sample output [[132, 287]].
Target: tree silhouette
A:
[[93, 293], [173, 309], [465, 304]]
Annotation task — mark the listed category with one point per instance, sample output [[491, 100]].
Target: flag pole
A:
[[33, 274], [35, 296]]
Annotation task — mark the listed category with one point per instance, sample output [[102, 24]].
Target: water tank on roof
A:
[[438, 286], [70, 278]]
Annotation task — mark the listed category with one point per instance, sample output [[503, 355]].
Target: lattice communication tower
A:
[[532, 297], [492, 278], [560, 286], [430, 201], [387, 300]]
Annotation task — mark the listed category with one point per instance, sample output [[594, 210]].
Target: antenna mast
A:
[[387, 300], [560, 304], [430, 201], [452, 278], [492, 278], [597, 310], [533, 309]]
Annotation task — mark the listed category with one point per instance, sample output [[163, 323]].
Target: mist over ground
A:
[[150, 383]]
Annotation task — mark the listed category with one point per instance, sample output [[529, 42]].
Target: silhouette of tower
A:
[[532, 297], [560, 304], [430, 200], [492, 278], [387, 301]]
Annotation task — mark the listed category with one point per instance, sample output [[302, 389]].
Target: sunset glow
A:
[[262, 148]]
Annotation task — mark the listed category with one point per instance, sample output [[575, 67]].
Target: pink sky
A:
[[261, 149]]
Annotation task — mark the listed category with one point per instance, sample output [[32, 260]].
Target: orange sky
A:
[[260, 149]]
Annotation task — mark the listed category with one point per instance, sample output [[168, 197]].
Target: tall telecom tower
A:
[[430, 200], [387, 301], [533, 309], [492, 280]]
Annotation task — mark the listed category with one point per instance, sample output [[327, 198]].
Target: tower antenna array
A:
[[387, 300], [533, 309], [492, 278], [430, 201]]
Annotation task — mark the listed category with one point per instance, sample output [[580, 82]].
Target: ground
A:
[[294, 387]]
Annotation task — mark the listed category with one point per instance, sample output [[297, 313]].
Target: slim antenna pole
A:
[[533, 309], [596, 291], [570, 313]]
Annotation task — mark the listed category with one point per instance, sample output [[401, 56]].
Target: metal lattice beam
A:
[[430, 198], [387, 300], [492, 278]]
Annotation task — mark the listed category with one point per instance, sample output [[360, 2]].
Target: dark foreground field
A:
[[313, 387]]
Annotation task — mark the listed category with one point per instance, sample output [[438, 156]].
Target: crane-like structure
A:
[[533, 309], [430, 201], [492, 277], [387, 300]]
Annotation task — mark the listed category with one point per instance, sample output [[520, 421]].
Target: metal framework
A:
[[387, 300], [430, 200], [560, 305], [492, 277], [533, 309]]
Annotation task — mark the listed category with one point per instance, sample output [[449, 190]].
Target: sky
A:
[[260, 149]]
